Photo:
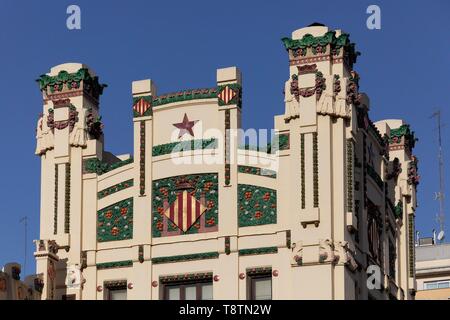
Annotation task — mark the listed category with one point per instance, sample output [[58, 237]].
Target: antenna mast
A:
[[25, 222], [440, 194]]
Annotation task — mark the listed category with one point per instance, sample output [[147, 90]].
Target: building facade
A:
[[433, 272], [196, 212], [13, 288]]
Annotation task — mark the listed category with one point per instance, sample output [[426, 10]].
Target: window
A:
[[118, 294], [196, 289], [442, 284], [116, 290], [259, 284]]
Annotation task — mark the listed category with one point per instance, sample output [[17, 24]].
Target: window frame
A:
[[257, 275], [114, 285], [436, 283], [182, 284]]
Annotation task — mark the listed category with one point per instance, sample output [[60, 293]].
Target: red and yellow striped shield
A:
[[227, 94], [141, 106], [185, 210]]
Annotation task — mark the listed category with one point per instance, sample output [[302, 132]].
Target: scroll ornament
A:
[[44, 134]]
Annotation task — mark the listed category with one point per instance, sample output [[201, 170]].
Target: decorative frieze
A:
[[187, 277], [302, 170], [227, 148], [316, 170], [115, 264], [411, 245], [78, 83], [186, 257], [196, 144], [326, 45], [142, 158], [349, 175], [258, 171], [187, 95], [115, 222], [94, 165], [67, 199], [114, 284], [258, 251], [256, 205], [402, 138], [115, 188], [55, 203], [200, 189], [258, 270], [310, 49]]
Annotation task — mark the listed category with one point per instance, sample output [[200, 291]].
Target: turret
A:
[[69, 131]]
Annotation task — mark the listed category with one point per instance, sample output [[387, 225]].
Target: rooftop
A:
[[433, 252]]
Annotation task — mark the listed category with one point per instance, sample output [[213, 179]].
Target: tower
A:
[[69, 131]]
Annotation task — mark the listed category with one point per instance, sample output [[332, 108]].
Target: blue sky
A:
[[404, 69]]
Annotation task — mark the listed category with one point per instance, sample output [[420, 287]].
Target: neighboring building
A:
[[300, 218], [12, 288], [433, 271]]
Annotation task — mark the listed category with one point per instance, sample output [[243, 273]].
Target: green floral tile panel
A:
[[203, 187], [197, 144], [186, 257], [94, 165], [115, 264], [115, 222], [256, 205], [186, 95], [258, 251], [115, 188], [257, 171]]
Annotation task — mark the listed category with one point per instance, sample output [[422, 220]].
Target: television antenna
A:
[[24, 220], [440, 195]]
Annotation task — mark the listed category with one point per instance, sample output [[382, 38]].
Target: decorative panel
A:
[[115, 188], [115, 222], [256, 205], [185, 205]]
